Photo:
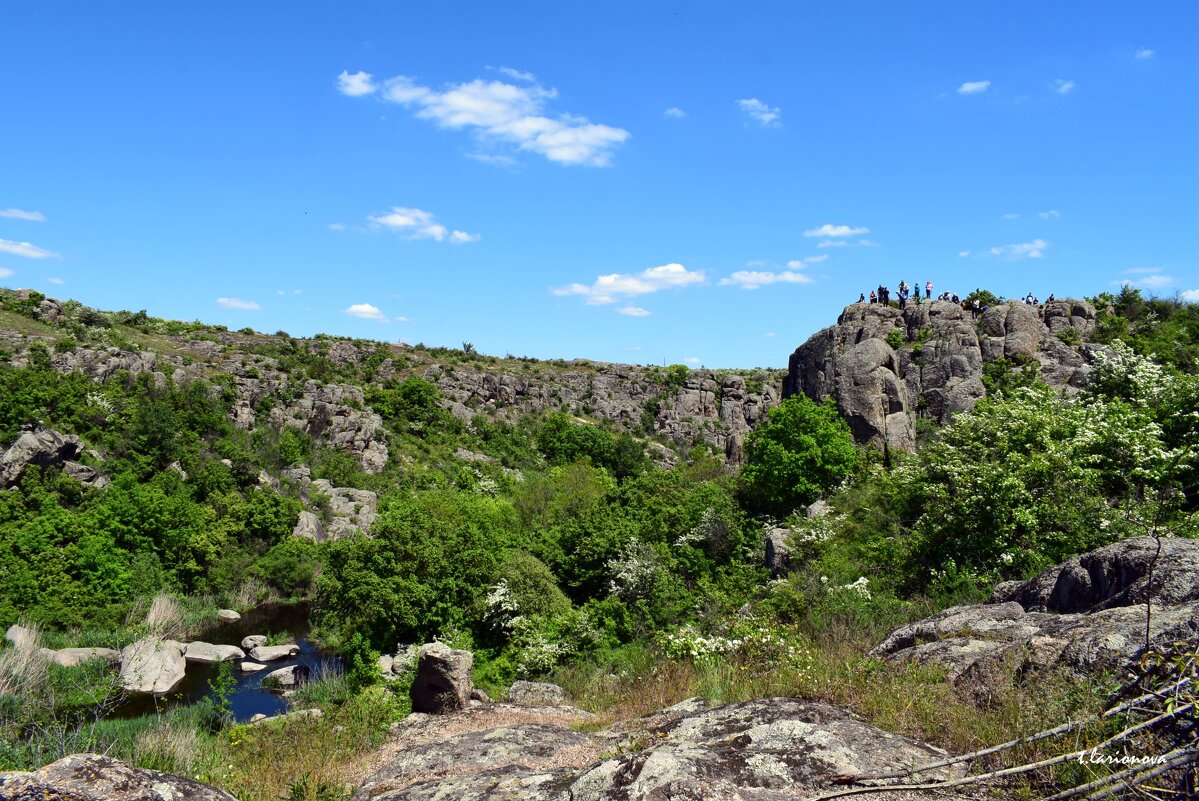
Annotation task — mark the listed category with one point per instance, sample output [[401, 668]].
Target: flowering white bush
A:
[[634, 572]]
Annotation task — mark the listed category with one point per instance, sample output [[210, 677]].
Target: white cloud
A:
[[1189, 295], [357, 84], [337, 226], [1052, 214], [26, 249], [633, 311], [832, 243], [963, 253], [836, 230], [19, 214], [1155, 281], [1150, 278], [769, 334], [402, 319], [1145, 53], [1011, 215], [610, 288], [1062, 87], [238, 303], [419, 224], [1024, 250], [56, 281], [974, 87], [5, 272], [868, 243], [674, 113], [764, 115], [799, 264], [518, 75], [693, 360], [754, 279], [1142, 270], [366, 311], [503, 113]]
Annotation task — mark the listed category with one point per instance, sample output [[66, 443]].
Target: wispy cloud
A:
[[1145, 53], [1142, 270], [5, 272], [755, 279], [419, 224], [964, 253], [365, 311], [836, 230], [1189, 295], [633, 311], [832, 243], [238, 303], [20, 214], [796, 264], [674, 113], [617, 286], [1021, 250], [337, 226], [1051, 214], [1011, 215], [26, 249], [56, 280], [693, 360], [1147, 277], [974, 87], [764, 115], [498, 113], [1062, 86], [517, 75]]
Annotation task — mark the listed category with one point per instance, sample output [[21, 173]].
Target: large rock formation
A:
[[92, 777], [1101, 597], [442, 683], [152, 666], [937, 370], [45, 448]]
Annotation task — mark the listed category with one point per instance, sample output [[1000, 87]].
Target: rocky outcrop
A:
[[1131, 571], [937, 369], [442, 683], [252, 641], [343, 510], [1110, 584], [287, 677], [152, 666], [228, 615], [767, 750], [778, 553], [45, 448], [536, 693], [92, 777], [73, 657]]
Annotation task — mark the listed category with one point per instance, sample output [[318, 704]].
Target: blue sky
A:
[[628, 181]]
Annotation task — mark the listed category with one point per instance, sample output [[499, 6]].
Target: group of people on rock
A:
[[883, 295]]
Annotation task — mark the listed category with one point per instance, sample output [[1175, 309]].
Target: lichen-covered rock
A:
[[152, 666], [73, 657], [536, 693], [92, 777], [252, 641], [228, 615], [778, 554], [442, 683], [291, 676], [937, 369], [766, 750]]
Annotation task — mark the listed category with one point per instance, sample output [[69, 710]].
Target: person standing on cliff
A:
[[928, 290]]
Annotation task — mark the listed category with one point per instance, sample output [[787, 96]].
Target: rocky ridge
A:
[[885, 368]]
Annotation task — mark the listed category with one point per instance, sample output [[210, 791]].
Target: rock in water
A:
[[91, 777], [228, 615], [152, 666], [286, 677], [253, 641], [210, 654], [442, 682], [272, 653]]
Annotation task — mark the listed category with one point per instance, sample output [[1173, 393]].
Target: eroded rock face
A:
[[443, 683], [273, 653], [209, 654], [1125, 572], [1087, 614], [91, 777], [938, 370], [536, 693], [45, 448], [775, 748], [153, 666]]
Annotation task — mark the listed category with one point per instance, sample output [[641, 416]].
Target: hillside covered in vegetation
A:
[[636, 534]]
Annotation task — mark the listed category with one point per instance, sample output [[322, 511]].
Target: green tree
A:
[[803, 450]]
